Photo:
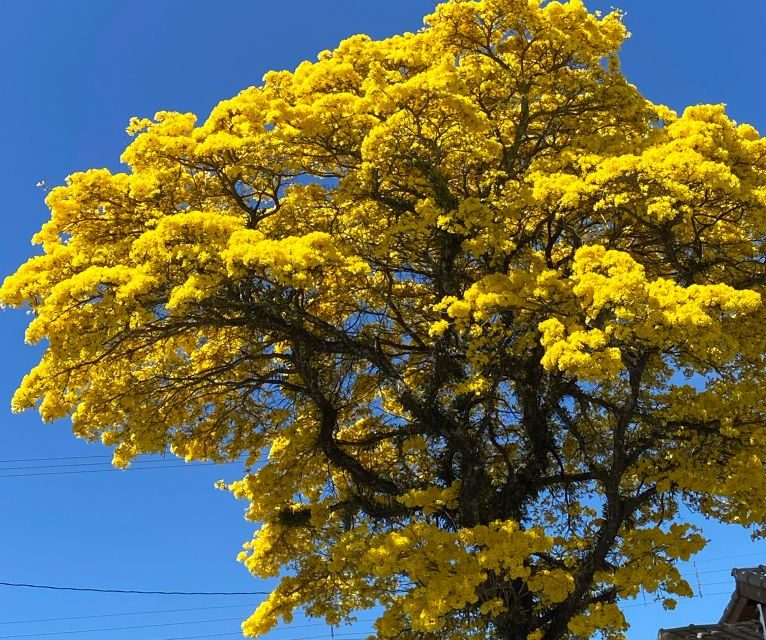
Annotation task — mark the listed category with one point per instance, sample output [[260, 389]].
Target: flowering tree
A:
[[491, 315]]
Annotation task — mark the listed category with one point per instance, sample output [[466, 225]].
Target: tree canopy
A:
[[484, 322]]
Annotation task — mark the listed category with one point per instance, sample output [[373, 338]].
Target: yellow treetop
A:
[[490, 316]]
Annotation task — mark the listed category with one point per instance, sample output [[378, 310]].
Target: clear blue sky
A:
[[74, 71]]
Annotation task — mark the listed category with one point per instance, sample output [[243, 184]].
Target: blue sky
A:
[[74, 72]]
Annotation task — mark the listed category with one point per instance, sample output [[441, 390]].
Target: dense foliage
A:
[[479, 316]]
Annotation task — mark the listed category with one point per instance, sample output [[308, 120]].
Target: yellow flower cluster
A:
[[484, 311]]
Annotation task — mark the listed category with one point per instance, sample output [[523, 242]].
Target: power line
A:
[[216, 635], [65, 473], [27, 585], [349, 636], [140, 626], [739, 555], [220, 635], [49, 587], [167, 463], [103, 457], [126, 613], [657, 601], [107, 459], [710, 571], [156, 611], [89, 457], [96, 464], [153, 625]]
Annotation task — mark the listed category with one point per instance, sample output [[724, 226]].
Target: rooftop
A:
[[742, 618]]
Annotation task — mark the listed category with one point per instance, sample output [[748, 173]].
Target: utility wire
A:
[[220, 635], [107, 459], [155, 625], [130, 470], [101, 464], [165, 463], [125, 613], [99, 456], [156, 611], [140, 626], [657, 601], [739, 555], [26, 585], [689, 575], [349, 636]]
